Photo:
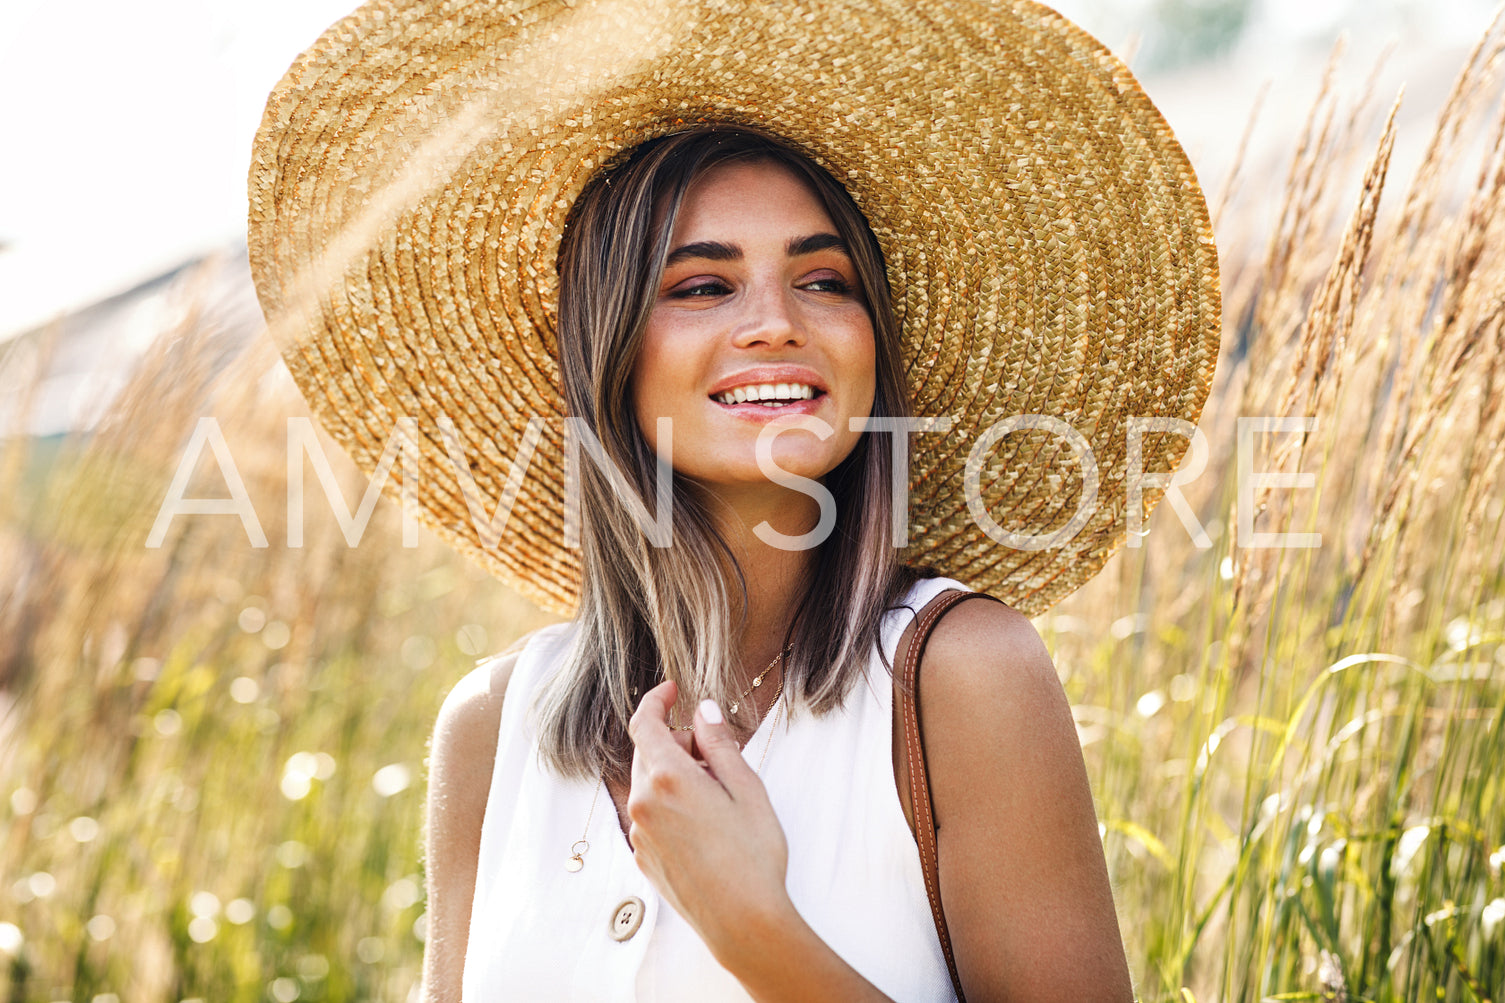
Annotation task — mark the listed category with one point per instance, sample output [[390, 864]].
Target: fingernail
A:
[[711, 712]]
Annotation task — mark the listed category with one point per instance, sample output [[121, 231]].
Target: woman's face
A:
[[759, 315]]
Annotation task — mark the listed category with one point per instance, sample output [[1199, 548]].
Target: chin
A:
[[791, 464]]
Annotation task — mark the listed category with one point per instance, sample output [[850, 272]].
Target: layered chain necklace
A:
[[576, 859], [737, 703]]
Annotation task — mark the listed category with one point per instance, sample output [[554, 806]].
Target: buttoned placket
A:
[[624, 907]]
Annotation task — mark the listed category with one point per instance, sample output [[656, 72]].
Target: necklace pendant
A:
[[733, 707], [576, 858]]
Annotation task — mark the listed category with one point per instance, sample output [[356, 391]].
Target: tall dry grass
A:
[[195, 808], [212, 760], [1298, 751]]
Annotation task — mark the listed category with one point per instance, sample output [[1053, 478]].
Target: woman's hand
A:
[[704, 832]]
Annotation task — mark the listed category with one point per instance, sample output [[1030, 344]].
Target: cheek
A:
[[864, 359], [655, 383], [859, 356]]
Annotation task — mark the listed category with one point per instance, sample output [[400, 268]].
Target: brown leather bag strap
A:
[[906, 693]]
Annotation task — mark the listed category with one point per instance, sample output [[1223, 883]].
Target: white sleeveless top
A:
[[540, 932]]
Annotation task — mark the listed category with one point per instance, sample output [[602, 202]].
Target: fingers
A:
[[649, 725], [654, 707], [655, 747], [717, 743]]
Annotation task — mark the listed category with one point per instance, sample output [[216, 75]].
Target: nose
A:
[[771, 319]]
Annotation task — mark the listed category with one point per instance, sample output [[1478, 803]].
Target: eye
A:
[[830, 284], [700, 289]]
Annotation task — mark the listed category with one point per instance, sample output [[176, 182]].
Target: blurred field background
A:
[[211, 755]]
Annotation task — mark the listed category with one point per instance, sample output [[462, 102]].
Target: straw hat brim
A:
[[1047, 244]]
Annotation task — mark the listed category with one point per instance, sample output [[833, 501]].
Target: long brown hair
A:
[[648, 612]]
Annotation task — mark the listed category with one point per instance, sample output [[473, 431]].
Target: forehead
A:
[[751, 198]]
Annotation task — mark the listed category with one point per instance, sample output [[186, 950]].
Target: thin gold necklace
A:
[[737, 703], [576, 860]]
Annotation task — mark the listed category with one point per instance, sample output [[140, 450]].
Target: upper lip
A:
[[770, 374]]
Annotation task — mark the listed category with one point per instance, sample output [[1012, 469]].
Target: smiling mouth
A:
[[770, 395]]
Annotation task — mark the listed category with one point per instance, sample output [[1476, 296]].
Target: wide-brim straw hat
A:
[[1046, 241]]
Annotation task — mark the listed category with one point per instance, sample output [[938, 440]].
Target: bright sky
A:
[[127, 126], [127, 129]]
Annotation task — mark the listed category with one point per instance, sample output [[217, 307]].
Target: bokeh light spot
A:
[[391, 779], [240, 911], [244, 689], [204, 904], [471, 638], [292, 854], [252, 619]]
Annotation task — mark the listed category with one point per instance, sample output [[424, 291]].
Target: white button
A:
[[628, 917]]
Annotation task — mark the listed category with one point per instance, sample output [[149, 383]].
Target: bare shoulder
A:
[[462, 755], [462, 751], [978, 637], [472, 712], [995, 715], [987, 663]]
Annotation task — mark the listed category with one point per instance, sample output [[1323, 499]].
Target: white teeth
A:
[[768, 394]]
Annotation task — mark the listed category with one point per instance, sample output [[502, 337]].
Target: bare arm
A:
[[786, 961], [461, 757], [1023, 876]]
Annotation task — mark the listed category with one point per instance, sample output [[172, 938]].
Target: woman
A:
[[724, 308], [760, 285]]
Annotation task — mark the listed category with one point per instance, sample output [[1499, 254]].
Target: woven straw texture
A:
[[1047, 243]]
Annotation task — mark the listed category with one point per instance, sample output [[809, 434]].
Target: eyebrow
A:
[[815, 242], [715, 250]]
